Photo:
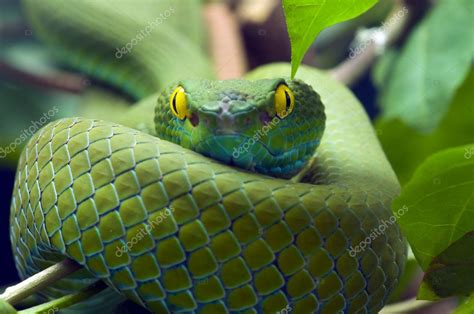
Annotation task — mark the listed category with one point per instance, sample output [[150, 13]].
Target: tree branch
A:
[[61, 81], [350, 70], [39, 281], [406, 306], [67, 300], [225, 41]]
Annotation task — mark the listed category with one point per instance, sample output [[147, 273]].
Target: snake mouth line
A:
[[245, 139], [238, 137]]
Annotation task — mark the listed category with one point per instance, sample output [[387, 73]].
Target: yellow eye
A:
[[178, 103], [284, 101]]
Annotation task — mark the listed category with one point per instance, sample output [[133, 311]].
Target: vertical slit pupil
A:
[[174, 102], [288, 101]]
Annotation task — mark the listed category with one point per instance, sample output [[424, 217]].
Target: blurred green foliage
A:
[[430, 67], [467, 307], [407, 147], [425, 91]]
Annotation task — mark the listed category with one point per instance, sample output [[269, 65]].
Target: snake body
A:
[[176, 231]]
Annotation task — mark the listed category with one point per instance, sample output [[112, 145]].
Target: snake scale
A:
[[178, 232]]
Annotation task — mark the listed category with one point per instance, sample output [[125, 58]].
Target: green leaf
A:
[[455, 129], [305, 19], [467, 307], [432, 65], [450, 273], [440, 201]]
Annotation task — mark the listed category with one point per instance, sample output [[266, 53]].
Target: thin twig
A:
[[61, 81], [225, 41], [350, 70], [66, 301], [39, 281], [406, 306]]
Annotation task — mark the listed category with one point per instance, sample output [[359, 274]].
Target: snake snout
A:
[[227, 116]]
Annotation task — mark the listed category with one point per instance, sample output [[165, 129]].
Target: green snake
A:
[[199, 215]]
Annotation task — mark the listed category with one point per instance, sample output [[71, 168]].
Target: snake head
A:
[[272, 126]]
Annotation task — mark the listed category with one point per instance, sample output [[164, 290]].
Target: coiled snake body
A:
[[176, 231]]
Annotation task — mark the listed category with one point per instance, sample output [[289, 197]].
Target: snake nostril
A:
[[248, 120], [194, 119]]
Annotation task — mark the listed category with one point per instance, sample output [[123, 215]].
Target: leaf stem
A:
[[39, 281]]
